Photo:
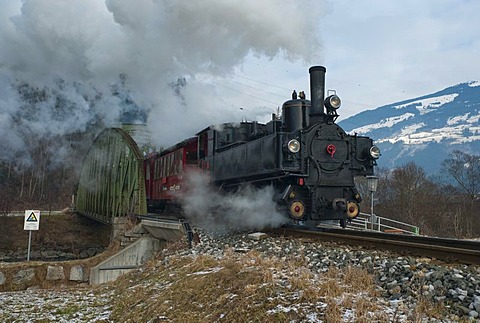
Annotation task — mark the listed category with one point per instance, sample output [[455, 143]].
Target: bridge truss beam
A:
[[112, 181]]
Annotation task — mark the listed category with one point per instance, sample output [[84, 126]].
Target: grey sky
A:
[[382, 51], [241, 58]]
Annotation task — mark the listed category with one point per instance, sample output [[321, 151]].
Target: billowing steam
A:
[[248, 208], [66, 66]]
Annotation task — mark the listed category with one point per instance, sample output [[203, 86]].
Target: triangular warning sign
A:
[[32, 218]]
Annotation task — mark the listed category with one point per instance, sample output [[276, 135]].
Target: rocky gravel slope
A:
[[406, 289]]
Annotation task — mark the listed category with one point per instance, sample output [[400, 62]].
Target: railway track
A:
[[448, 250]]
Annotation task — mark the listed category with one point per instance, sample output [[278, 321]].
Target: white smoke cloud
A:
[[76, 50], [248, 208]]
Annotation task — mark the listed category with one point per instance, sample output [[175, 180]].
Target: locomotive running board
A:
[[168, 230]]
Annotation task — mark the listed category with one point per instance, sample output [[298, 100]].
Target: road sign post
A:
[[32, 222]]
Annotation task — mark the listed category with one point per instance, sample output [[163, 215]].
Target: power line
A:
[[269, 84], [258, 89], [282, 88], [248, 94]]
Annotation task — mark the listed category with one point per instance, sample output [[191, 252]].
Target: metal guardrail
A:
[[366, 221]]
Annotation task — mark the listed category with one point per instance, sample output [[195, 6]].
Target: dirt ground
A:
[[60, 231], [63, 239]]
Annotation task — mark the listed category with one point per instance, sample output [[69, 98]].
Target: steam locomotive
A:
[[309, 160]]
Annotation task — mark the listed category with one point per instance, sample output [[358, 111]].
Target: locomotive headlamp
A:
[[375, 152], [333, 102], [293, 146]]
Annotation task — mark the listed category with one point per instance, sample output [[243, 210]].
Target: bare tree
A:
[[465, 170], [406, 194]]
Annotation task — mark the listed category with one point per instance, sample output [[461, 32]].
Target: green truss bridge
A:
[[112, 181]]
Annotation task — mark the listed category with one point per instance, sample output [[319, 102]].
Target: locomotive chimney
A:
[[317, 92]]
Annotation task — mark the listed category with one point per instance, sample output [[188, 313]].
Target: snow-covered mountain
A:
[[425, 129]]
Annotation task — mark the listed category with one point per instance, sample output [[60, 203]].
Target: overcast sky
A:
[[382, 51], [241, 58]]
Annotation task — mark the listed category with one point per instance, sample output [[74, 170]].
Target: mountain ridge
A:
[[424, 129]]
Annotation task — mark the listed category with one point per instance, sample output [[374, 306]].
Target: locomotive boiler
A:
[[309, 160]]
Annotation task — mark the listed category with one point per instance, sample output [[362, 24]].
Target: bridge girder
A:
[[112, 181]]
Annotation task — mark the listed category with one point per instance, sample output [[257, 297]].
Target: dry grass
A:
[[427, 308], [359, 279], [351, 289], [241, 288], [333, 312]]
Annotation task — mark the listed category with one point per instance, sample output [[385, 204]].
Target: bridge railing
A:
[[365, 221]]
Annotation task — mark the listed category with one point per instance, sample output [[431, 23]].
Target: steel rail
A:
[[448, 250]]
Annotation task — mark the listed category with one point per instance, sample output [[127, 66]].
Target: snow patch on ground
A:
[[385, 123], [458, 134], [428, 105], [457, 119]]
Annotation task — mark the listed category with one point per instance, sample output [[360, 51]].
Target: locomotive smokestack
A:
[[317, 92]]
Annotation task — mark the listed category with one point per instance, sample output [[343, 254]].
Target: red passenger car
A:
[[164, 173]]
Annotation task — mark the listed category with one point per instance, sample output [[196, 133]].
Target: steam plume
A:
[[248, 208], [65, 65]]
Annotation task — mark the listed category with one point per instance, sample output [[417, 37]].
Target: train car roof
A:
[[177, 146], [219, 127]]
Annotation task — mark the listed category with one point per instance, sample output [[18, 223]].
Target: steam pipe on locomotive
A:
[[309, 160]]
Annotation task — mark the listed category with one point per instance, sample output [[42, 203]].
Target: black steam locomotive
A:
[[310, 161]]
